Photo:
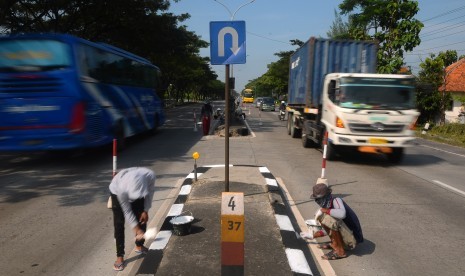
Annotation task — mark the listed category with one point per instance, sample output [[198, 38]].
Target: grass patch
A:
[[452, 134]]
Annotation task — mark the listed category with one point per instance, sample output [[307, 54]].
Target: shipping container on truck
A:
[[334, 88]]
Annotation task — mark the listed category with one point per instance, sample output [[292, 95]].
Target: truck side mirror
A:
[[332, 91]]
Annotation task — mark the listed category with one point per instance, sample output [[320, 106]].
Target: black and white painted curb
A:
[[298, 255]]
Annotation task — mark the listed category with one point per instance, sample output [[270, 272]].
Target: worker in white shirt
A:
[[131, 193], [338, 220]]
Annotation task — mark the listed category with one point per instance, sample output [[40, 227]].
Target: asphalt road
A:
[[412, 225], [53, 215], [54, 221]]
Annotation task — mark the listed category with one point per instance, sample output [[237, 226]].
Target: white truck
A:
[[333, 89]]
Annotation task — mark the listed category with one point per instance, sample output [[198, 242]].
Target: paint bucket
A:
[[182, 225]]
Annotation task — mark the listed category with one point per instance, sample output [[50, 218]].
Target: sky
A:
[[271, 24]]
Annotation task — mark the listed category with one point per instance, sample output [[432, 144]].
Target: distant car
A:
[[258, 101], [267, 104]]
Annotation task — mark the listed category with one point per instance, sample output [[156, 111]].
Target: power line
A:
[[430, 26], [416, 54], [443, 36], [288, 43], [445, 13], [443, 28], [441, 46]]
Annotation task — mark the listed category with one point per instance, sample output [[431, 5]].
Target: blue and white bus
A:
[[61, 92]]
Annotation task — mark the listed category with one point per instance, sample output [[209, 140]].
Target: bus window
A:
[[33, 55]]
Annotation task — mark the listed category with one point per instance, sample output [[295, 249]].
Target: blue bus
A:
[[60, 92]]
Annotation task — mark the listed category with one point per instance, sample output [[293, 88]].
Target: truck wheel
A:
[[307, 143], [295, 132], [289, 123], [396, 155]]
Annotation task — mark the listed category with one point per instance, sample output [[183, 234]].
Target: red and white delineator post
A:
[[195, 121], [323, 179], [115, 150]]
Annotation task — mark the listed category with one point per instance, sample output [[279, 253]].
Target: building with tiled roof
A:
[[455, 84]]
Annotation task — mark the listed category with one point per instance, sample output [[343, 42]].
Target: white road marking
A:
[[217, 166], [176, 210], [192, 175], [185, 190], [450, 188], [446, 151], [271, 182], [284, 223], [161, 240], [297, 261]]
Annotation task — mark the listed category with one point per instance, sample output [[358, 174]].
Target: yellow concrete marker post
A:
[[196, 156], [232, 233]]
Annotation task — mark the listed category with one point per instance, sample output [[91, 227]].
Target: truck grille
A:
[[376, 128]]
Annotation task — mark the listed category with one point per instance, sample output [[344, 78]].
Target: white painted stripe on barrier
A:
[[264, 170], [271, 182], [284, 223], [297, 261], [161, 240], [192, 175], [175, 210], [185, 190]]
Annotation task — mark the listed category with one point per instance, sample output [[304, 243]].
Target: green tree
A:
[[433, 72], [390, 22], [139, 26], [339, 29], [275, 81]]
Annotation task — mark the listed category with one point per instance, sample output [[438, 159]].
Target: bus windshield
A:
[[33, 55], [376, 93]]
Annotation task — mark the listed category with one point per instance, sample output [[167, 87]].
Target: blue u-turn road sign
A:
[[227, 42]]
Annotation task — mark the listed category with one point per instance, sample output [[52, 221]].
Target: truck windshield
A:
[[33, 55], [376, 93]]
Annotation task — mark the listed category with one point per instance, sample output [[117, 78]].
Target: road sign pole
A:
[[226, 130], [227, 46]]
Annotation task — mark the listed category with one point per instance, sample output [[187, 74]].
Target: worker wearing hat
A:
[[337, 219]]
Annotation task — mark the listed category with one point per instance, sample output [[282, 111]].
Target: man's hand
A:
[[144, 218], [139, 233], [318, 214]]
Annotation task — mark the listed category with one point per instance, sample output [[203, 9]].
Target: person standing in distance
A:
[[206, 112], [131, 194]]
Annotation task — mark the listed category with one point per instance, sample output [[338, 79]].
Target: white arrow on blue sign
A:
[[227, 42]]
